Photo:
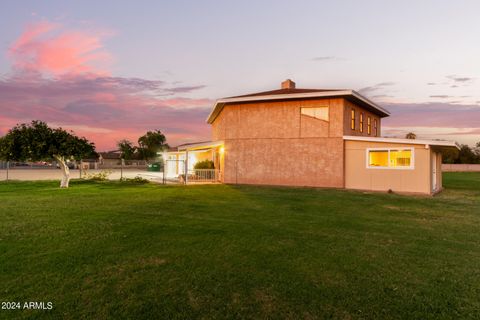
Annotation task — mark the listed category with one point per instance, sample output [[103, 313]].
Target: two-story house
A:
[[311, 137]]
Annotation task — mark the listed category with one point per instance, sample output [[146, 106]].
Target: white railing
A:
[[204, 175]]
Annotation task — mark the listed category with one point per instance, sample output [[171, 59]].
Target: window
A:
[[352, 124], [378, 158], [317, 113], [400, 158], [375, 131], [390, 158], [369, 125], [361, 122]]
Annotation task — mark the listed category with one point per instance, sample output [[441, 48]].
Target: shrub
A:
[[137, 179], [206, 164], [100, 176]]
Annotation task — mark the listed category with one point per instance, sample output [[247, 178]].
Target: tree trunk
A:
[[65, 171]]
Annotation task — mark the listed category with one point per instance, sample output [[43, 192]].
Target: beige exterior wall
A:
[[416, 180], [273, 143]]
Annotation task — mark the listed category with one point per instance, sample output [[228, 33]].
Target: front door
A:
[[434, 172]]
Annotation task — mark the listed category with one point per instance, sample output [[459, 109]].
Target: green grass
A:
[[112, 250]]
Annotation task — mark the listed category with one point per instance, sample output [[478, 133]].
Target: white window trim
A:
[[412, 160]]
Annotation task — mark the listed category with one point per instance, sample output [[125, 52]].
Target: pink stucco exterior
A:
[[273, 143]]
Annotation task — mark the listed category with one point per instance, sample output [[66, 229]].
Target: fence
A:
[[203, 175], [460, 167]]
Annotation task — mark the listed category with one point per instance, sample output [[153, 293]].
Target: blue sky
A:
[[417, 58]]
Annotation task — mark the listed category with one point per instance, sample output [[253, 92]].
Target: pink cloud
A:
[[49, 48], [57, 77]]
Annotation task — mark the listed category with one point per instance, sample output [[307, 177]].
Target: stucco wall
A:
[[297, 162], [358, 176], [272, 143]]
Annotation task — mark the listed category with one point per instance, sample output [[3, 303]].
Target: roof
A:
[[284, 91], [196, 146], [110, 155], [298, 94], [439, 143]]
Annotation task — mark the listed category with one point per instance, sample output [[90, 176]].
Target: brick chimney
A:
[[288, 84]]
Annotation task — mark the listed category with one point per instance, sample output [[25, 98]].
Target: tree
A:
[[476, 150], [38, 142], [205, 164], [127, 149], [151, 143], [466, 155], [410, 135]]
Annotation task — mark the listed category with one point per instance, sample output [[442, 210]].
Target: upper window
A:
[[352, 124], [375, 130], [317, 113], [369, 125], [390, 158], [361, 123]]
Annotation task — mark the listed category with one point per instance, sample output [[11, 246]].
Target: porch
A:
[[195, 163]]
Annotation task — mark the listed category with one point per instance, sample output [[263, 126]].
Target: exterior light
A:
[[222, 150]]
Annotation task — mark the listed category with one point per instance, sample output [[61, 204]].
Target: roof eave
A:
[[438, 143], [219, 104]]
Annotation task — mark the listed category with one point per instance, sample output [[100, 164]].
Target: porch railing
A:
[[204, 175]]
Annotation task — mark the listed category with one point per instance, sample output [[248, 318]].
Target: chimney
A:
[[288, 84]]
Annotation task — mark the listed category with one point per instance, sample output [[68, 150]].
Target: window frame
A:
[[320, 107], [412, 159], [360, 126], [375, 127], [353, 120]]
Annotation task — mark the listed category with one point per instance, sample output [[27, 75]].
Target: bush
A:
[[137, 179], [206, 164], [100, 176]]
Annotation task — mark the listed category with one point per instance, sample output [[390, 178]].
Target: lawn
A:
[[119, 250]]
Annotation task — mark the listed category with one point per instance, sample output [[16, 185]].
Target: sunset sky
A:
[[110, 70]]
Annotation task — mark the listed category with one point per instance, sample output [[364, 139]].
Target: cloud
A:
[[441, 96], [460, 79], [379, 86], [185, 89], [431, 84], [59, 76], [49, 48], [454, 121], [324, 58]]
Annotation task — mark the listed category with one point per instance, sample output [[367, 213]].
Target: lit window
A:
[[352, 125], [369, 125], [400, 158], [317, 113], [375, 130], [361, 122], [378, 158], [390, 158]]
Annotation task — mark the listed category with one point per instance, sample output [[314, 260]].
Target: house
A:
[[312, 137], [110, 158]]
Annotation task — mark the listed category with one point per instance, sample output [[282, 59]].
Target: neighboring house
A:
[[312, 137], [110, 158]]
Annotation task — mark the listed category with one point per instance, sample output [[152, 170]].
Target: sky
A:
[[112, 70]]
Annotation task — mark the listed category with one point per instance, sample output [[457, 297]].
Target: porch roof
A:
[[200, 145]]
